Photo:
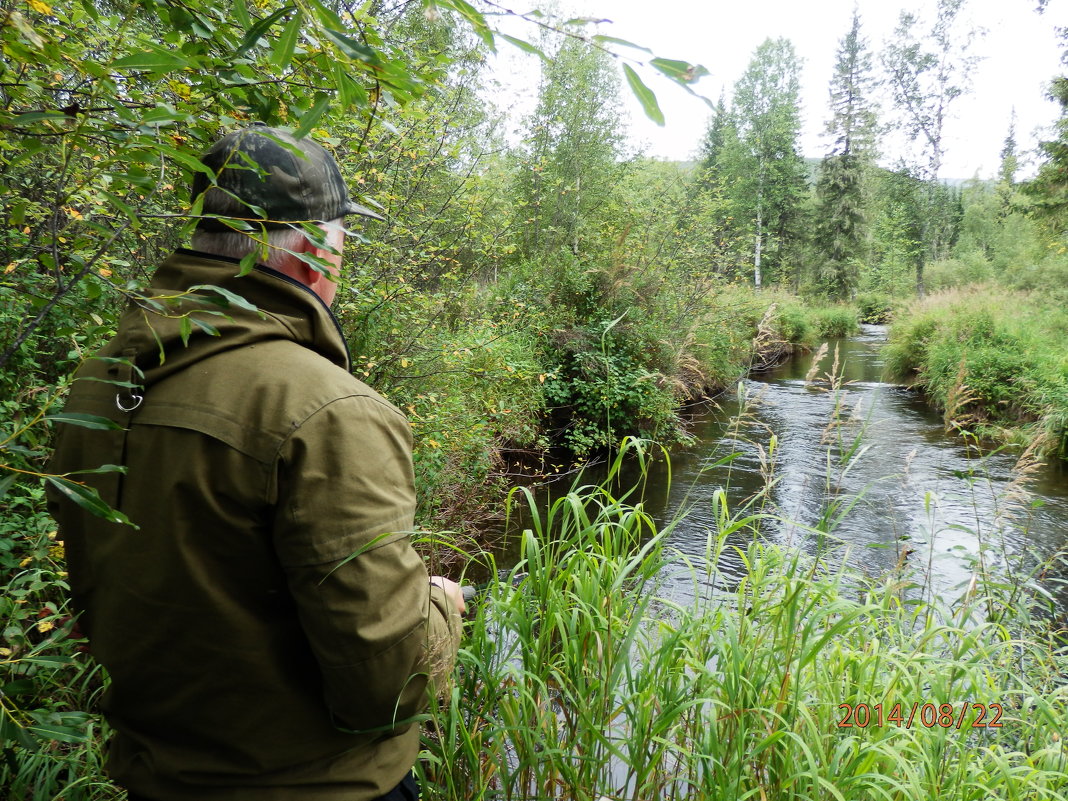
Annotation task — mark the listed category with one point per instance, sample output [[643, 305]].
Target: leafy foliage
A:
[[988, 364]]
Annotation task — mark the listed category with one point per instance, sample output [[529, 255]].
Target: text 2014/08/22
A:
[[928, 715]]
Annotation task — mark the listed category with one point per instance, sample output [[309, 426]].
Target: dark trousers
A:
[[407, 790]]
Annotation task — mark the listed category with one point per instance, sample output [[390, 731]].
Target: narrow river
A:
[[923, 497]]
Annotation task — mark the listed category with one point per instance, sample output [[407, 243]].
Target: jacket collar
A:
[[197, 305]]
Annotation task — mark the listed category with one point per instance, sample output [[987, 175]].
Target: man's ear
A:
[[310, 274]]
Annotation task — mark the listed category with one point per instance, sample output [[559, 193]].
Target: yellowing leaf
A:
[[433, 443], [10, 268], [180, 89], [73, 212], [39, 7], [45, 626], [105, 272]]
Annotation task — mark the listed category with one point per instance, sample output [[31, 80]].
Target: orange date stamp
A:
[[928, 715]]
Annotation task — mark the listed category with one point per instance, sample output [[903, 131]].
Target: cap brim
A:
[[363, 211]]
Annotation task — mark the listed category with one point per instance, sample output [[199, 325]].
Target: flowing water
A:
[[920, 496]]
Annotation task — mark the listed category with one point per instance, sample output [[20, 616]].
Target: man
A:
[[269, 631]]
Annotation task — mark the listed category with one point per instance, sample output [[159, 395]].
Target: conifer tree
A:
[[720, 129], [1010, 165], [842, 231], [1010, 160], [1048, 190]]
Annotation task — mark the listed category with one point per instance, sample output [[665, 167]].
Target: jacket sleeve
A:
[[344, 516]]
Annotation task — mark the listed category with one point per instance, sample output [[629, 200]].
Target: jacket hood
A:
[[197, 306]]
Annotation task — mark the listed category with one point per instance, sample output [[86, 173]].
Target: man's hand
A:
[[452, 590]]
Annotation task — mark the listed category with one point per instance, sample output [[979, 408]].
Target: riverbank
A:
[[551, 383], [509, 386], [992, 359], [580, 679], [798, 680]]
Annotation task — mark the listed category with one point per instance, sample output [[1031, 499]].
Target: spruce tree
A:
[[842, 231]]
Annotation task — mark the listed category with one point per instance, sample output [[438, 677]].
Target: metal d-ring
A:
[[138, 399]]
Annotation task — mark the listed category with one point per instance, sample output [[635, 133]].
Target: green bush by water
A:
[[805, 326], [993, 359]]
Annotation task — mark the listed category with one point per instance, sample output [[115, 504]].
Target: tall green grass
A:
[[993, 359], [580, 680], [581, 677]]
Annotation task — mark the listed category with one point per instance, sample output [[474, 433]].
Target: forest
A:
[[538, 303]]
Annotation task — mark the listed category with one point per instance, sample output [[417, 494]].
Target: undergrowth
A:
[[992, 359], [579, 680]]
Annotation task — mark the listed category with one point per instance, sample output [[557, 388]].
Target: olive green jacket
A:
[[268, 628]]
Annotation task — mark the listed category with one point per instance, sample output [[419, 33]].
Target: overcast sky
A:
[[1020, 56]]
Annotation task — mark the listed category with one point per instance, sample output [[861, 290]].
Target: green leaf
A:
[[113, 382], [260, 28], [89, 499], [310, 117], [104, 468], [240, 11], [327, 16], [231, 298], [18, 687], [600, 38], [85, 421], [163, 113], [206, 327], [287, 42], [644, 94], [183, 158], [10, 731], [38, 116], [475, 19], [121, 361], [22, 451], [681, 71], [6, 483], [350, 93], [248, 262], [185, 328], [354, 49], [62, 734], [524, 45], [152, 61]]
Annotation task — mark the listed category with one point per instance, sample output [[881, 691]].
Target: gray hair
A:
[[238, 244]]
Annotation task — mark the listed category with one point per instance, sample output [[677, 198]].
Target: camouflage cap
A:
[[291, 180]]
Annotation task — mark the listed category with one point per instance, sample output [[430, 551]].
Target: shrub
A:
[[988, 357], [835, 322], [874, 307]]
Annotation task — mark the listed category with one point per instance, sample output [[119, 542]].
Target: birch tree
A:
[[927, 71], [765, 170]]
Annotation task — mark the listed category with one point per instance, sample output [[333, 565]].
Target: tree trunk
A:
[[757, 246]]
